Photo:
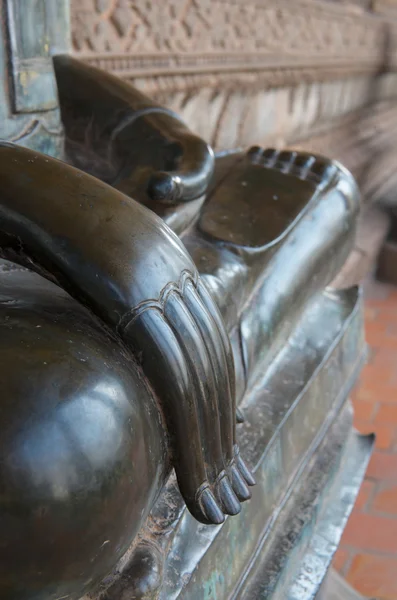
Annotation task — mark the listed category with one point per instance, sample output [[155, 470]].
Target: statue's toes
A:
[[239, 416], [239, 484], [164, 187], [317, 169], [228, 499], [222, 498], [242, 468], [208, 507], [190, 180]]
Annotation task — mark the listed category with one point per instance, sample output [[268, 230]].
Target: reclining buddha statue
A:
[[151, 296]]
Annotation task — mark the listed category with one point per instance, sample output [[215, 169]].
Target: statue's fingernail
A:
[[210, 507], [245, 471], [229, 500], [239, 486]]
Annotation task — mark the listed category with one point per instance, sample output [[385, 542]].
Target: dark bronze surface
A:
[[262, 283], [144, 296], [129, 335], [82, 445], [116, 133], [141, 282], [296, 437]]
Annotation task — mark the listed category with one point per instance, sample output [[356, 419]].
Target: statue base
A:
[[308, 463]]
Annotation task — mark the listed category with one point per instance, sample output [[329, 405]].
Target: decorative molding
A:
[[244, 72], [223, 42]]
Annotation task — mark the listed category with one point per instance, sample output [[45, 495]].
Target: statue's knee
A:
[[81, 450]]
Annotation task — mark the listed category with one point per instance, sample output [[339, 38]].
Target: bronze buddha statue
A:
[[145, 291]]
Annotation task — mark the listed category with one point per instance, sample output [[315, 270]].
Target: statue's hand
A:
[[124, 138]]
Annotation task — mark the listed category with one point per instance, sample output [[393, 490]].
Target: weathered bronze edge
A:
[[337, 509], [328, 489]]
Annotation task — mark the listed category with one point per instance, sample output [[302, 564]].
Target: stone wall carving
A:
[[141, 39], [241, 72]]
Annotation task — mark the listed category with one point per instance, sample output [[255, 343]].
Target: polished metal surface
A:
[[150, 296], [82, 447], [140, 281], [115, 132], [142, 287]]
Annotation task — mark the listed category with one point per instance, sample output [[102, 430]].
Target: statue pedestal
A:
[[308, 463]]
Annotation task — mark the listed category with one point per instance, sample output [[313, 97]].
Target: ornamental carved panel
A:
[[141, 37]]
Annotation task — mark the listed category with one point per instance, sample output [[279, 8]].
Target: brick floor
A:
[[367, 556]]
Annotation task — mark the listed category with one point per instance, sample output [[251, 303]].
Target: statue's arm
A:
[[123, 263]]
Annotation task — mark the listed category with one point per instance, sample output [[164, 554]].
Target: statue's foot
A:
[[156, 304]]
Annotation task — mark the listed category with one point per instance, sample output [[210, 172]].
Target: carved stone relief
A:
[[137, 37], [242, 73]]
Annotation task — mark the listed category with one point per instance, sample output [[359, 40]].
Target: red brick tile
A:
[[386, 393], [366, 394], [385, 309], [391, 327], [376, 335], [385, 432], [364, 427], [372, 528], [381, 332], [382, 357], [340, 560], [364, 495], [378, 374], [386, 501], [387, 413], [376, 392], [383, 466], [370, 313], [374, 576], [364, 411], [385, 435], [369, 532], [382, 340]]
